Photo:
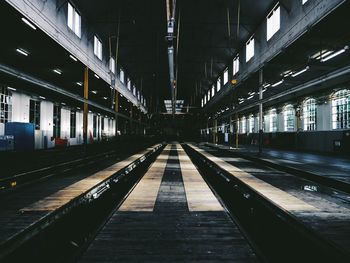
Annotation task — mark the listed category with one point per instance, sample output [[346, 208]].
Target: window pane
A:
[[70, 16], [225, 76], [273, 22], [249, 49], [77, 23]]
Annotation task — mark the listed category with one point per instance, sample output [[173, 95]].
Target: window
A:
[[309, 115], [273, 120], [97, 47], [202, 103], [56, 121], [208, 95], [112, 65], [249, 49], [218, 84], [213, 91], [74, 20], [121, 76], [94, 126], [273, 22], [341, 110], [235, 65], [205, 99], [289, 118], [134, 90], [73, 123], [128, 84], [5, 105], [102, 124], [251, 124], [242, 125], [303, 1], [34, 113], [225, 76]]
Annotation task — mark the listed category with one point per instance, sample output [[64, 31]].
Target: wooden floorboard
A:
[[170, 232]]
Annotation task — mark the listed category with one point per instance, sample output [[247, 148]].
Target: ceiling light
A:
[[241, 102], [321, 54], [73, 58], [250, 97], [94, 91], [277, 83], [105, 98], [28, 23], [22, 51], [96, 76], [41, 97], [10, 88], [300, 72], [63, 103], [266, 85], [78, 108], [335, 54], [57, 71], [79, 83]]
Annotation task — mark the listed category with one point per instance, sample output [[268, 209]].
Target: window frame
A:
[[310, 115], [98, 47], [273, 22], [289, 118], [74, 19], [225, 79], [341, 109], [34, 113], [235, 65]]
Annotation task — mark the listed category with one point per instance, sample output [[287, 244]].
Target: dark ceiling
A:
[[205, 45]]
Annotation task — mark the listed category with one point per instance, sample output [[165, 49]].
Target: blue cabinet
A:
[[23, 135]]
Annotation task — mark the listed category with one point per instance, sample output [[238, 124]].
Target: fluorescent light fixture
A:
[[250, 97], [10, 88], [63, 103], [78, 108], [22, 51], [300, 72], [73, 58], [277, 83], [90, 111], [28, 23], [94, 91], [241, 102], [264, 90], [321, 54], [79, 83], [96, 76], [266, 85], [105, 98], [334, 54], [57, 71], [42, 97], [251, 93], [287, 73]]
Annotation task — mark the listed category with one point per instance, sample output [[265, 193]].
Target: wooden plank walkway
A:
[[325, 211], [18, 214], [170, 232]]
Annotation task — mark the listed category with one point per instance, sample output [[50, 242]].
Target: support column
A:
[[261, 134], [86, 107]]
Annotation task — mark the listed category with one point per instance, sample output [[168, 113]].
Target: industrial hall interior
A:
[[175, 131]]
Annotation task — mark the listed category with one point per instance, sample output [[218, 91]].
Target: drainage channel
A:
[[275, 235], [66, 238]]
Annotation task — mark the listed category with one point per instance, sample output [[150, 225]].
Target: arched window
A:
[[341, 109], [251, 124], [273, 120], [289, 118], [243, 125], [309, 115]]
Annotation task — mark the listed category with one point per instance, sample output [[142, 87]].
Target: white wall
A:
[[20, 107]]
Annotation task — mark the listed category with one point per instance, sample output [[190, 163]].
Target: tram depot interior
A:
[[175, 131]]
